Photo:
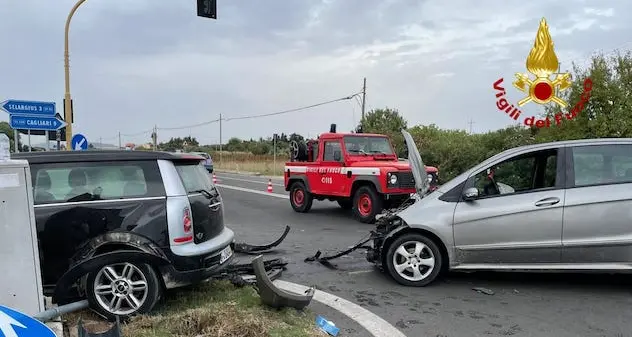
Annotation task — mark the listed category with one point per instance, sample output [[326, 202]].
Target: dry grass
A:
[[248, 162], [216, 309]]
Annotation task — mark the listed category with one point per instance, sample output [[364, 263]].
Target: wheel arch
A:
[[292, 179], [445, 257], [365, 181]]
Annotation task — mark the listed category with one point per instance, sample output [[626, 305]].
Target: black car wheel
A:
[[367, 203], [300, 199], [413, 260], [123, 290]]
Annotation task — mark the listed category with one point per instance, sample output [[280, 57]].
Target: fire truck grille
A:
[[406, 180]]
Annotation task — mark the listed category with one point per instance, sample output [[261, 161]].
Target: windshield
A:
[[194, 177], [363, 145]]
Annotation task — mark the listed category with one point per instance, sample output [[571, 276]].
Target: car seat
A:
[[78, 181], [42, 188]]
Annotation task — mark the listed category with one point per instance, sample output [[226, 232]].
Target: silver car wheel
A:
[[121, 288], [413, 261]]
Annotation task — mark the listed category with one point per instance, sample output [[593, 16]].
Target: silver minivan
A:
[[561, 206]]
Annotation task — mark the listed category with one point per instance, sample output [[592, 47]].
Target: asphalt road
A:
[[556, 305]]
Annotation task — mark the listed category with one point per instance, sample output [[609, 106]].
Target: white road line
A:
[[361, 271], [373, 323], [276, 195], [223, 177]]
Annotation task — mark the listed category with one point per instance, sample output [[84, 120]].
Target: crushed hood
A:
[[417, 165]]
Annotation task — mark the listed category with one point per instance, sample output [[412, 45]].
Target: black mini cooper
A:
[[121, 227]]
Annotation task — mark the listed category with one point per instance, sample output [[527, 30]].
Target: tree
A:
[[388, 122], [6, 129], [608, 112]]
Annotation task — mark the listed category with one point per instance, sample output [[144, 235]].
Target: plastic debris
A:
[[484, 290], [327, 326]]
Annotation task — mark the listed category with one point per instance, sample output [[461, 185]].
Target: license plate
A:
[[225, 254]]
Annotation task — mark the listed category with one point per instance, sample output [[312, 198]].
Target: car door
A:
[[517, 218], [597, 225], [328, 180]]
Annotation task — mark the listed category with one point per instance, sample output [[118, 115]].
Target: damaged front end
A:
[[387, 224]]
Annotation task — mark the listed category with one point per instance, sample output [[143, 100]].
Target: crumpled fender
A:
[[129, 239], [78, 270]]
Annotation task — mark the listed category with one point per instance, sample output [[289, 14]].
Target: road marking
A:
[[276, 195], [222, 177], [373, 323]]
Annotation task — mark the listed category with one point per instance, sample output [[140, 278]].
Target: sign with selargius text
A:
[[541, 85]]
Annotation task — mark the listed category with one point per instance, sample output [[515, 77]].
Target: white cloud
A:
[[144, 63]]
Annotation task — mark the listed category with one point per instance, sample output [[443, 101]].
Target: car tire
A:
[[134, 287], [423, 255], [300, 199], [367, 203], [345, 203]]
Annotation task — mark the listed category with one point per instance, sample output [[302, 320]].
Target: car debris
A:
[[482, 290], [114, 331], [245, 248], [244, 274], [327, 326], [275, 297]]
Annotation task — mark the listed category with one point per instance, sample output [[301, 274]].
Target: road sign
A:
[[79, 142], [35, 123], [207, 9], [33, 108], [17, 324]]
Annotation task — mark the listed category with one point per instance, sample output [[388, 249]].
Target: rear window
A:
[[70, 182], [194, 176]]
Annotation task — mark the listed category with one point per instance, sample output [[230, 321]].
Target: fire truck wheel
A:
[[345, 203], [300, 199], [367, 203]]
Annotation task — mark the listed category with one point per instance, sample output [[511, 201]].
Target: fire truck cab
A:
[[359, 171]]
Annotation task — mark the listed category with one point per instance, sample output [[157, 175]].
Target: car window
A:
[[518, 174], [330, 148], [361, 145], [194, 177], [77, 182], [602, 164]]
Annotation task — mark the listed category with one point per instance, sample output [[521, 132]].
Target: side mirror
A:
[[337, 156], [470, 194]]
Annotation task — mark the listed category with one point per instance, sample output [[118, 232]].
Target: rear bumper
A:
[[202, 267]]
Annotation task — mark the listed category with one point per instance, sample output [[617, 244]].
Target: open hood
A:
[[417, 166]]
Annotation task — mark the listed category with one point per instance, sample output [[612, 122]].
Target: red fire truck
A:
[[360, 171]]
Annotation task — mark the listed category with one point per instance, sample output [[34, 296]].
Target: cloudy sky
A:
[[140, 63]]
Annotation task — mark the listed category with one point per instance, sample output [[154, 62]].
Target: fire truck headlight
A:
[[392, 179]]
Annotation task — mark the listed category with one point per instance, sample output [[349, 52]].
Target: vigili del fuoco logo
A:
[[543, 64]]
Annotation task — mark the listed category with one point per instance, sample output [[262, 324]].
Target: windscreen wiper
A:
[[204, 192]]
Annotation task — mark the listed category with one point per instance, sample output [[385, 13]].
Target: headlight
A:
[[393, 179]]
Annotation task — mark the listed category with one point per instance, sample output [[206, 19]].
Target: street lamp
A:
[[206, 8], [67, 98]]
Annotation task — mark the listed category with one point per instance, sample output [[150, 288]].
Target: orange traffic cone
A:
[[269, 185], [214, 179]]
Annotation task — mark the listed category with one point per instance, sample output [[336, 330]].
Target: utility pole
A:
[[470, 123], [155, 137], [220, 138], [274, 138], [100, 142], [363, 99], [119, 136]]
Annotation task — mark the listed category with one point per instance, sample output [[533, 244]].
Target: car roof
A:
[[101, 155]]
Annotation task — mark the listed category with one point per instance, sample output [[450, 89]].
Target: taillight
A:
[[187, 223]]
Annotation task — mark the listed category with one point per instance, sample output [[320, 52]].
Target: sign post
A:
[[30, 115]]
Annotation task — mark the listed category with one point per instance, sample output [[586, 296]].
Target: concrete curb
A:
[[373, 323]]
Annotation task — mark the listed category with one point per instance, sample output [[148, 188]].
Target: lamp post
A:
[[67, 98]]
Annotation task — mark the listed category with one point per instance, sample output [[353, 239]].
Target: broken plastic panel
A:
[[275, 297]]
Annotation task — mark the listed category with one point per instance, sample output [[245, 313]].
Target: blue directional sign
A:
[[34, 108], [79, 142], [35, 123], [17, 324]]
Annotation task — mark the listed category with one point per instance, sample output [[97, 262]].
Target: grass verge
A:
[[215, 309]]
